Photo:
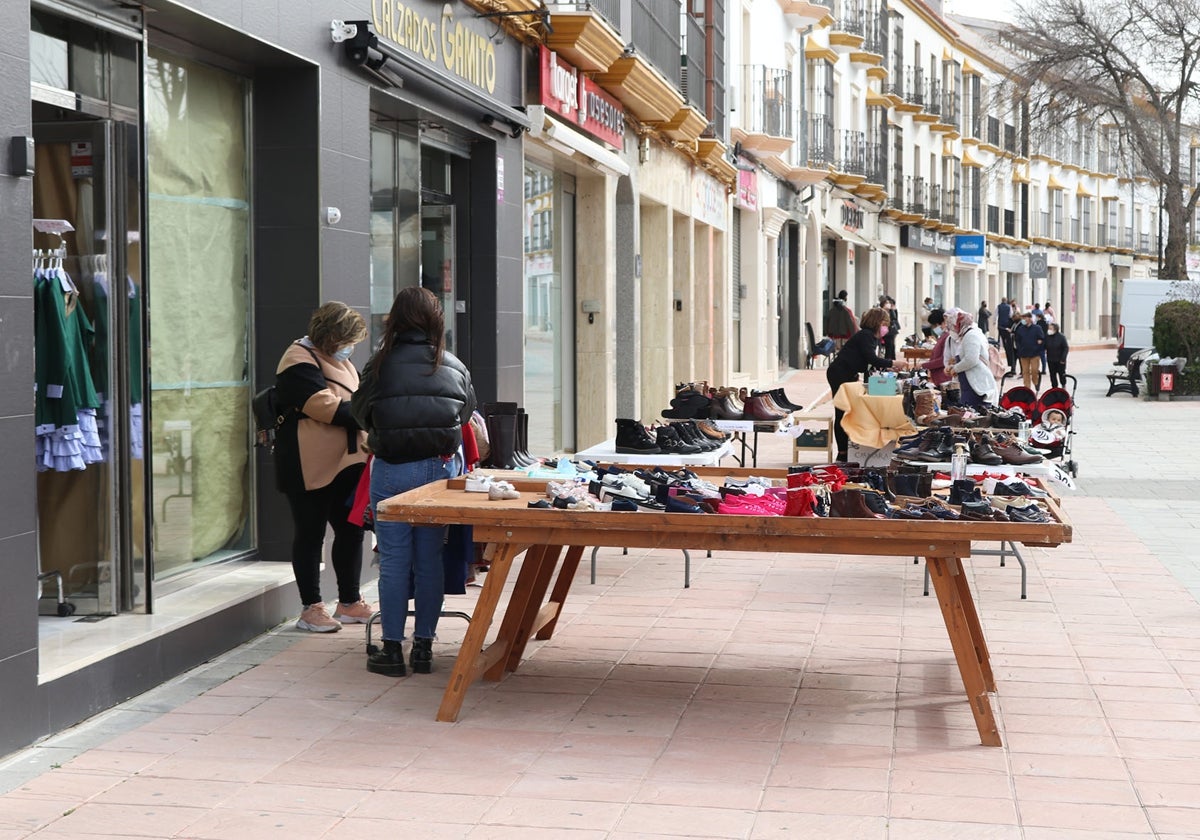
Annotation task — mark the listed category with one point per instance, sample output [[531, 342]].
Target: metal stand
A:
[[371, 648], [687, 565], [1002, 553]]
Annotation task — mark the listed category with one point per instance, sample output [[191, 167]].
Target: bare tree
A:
[[1130, 62]]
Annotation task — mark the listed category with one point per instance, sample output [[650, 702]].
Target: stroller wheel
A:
[[1074, 468], [66, 609]]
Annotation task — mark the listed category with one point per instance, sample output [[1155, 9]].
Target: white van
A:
[[1139, 299]]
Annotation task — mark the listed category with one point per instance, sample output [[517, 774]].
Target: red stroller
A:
[[1055, 412], [1023, 398]]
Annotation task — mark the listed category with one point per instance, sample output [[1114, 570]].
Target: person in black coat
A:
[[1057, 349], [983, 319], [859, 356], [888, 305], [413, 399]]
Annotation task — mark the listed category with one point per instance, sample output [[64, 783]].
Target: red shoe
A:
[[801, 501]]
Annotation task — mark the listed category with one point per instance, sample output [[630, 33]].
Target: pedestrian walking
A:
[[319, 458], [1004, 325], [1057, 349], [414, 399], [1028, 340], [926, 308], [1039, 318]]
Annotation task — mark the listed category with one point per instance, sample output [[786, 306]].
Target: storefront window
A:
[[200, 302], [395, 219]]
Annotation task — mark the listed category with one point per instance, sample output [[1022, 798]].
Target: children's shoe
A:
[[478, 483], [359, 612], [316, 619], [502, 490]]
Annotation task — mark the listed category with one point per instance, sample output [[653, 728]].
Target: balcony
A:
[[586, 34], [805, 14], [820, 141], [951, 111], [933, 205], [915, 196], [766, 110], [876, 30], [1143, 246], [849, 28], [655, 26], [694, 72], [1010, 223], [912, 92], [850, 164], [951, 209]]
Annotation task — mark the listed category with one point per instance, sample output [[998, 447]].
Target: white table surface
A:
[[607, 451]]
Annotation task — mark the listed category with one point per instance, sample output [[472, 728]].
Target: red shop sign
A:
[[747, 190], [580, 101]]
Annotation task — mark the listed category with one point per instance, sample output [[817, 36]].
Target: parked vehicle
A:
[[1139, 299]]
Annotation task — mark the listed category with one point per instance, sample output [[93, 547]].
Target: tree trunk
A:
[[1174, 265]]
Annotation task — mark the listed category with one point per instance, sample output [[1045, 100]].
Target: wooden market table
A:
[[510, 528]]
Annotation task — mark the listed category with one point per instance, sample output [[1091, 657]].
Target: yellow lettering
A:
[[447, 41], [470, 68], [375, 16], [489, 68]]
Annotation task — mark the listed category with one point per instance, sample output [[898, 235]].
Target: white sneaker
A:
[[502, 490], [479, 483]]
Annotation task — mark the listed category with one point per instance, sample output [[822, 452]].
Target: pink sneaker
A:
[[359, 613], [315, 619]]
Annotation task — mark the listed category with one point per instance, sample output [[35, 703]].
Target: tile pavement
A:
[[809, 696]]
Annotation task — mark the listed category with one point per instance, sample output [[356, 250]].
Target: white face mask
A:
[[342, 354], [937, 330]]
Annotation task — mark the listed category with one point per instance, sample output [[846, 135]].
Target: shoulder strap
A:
[[317, 362]]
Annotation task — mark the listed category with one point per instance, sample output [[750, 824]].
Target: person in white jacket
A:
[[967, 359]]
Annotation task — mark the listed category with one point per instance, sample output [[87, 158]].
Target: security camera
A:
[[332, 215]]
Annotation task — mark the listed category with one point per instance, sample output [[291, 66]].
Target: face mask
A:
[[883, 330], [342, 354], [937, 330]]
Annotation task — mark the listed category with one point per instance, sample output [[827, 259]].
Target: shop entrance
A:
[[88, 316]]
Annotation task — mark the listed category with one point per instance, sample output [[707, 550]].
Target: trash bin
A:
[[1152, 380], [1161, 381]]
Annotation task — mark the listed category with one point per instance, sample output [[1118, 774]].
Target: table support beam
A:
[[562, 585], [966, 638]]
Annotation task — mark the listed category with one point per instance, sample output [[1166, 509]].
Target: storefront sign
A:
[[969, 245], [708, 200], [747, 190], [852, 216], [579, 100], [923, 239], [499, 179], [1122, 260], [1066, 257], [1011, 263], [1038, 268], [439, 40]]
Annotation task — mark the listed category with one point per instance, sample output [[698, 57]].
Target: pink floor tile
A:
[[361, 828], [699, 794], [685, 821], [920, 829], [157, 820], [1084, 815], [222, 824], [536, 813], [1171, 822], [953, 808], [772, 825], [147, 790], [825, 801]]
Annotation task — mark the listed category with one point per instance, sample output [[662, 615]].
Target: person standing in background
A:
[[926, 308], [888, 305], [859, 356], [319, 457], [840, 323], [1004, 325], [1057, 349], [984, 319], [1028, 341]]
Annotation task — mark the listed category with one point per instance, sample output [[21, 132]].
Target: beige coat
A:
[[323, 448]]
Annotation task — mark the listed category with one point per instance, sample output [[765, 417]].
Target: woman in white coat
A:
[[967, 360]]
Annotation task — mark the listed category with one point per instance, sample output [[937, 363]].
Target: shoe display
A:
[[668, 441], [316, 619], [502, 490], [478, 482], [359, 612]]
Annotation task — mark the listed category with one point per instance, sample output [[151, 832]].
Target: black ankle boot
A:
[[632, 438], [389, 662], [421, 657]]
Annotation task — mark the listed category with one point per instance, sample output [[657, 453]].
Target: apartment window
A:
[[1056, 199]]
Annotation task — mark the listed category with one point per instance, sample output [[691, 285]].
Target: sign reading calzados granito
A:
[[442, 40]]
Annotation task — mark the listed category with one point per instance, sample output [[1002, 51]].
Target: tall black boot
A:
[[389, 662], [521, 450], [421, 657], [502, 435]]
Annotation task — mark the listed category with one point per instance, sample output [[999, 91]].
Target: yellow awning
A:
[[813, 50], [969, 69], [968, 160], [1020, 177], [1053, 183], [1082, 191]]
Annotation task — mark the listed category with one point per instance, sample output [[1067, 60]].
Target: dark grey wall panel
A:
[[18, 627], [21, 722]]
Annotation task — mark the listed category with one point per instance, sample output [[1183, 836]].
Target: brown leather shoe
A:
[[1008, 450], [755, 408], [849, 504]]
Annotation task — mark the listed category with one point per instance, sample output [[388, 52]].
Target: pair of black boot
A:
[[389, 662], [508, 436]]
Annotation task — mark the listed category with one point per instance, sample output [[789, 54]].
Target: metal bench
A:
[[1124, 379]]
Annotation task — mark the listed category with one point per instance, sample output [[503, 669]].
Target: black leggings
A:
[[839, 434], [1058, 374], [312, 510]]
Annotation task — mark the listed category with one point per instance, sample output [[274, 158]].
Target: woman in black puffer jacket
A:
[[413, 399]]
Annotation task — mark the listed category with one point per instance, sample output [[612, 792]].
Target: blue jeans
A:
[[410, 558]]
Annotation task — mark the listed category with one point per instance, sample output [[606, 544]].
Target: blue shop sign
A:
[[969, 245]]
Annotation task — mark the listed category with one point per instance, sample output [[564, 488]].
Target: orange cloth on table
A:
[[872, 421]]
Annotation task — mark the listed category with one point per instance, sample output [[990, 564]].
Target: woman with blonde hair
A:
[[319, 457]]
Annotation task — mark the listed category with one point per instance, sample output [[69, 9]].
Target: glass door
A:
[[438, 261], [87, 333]]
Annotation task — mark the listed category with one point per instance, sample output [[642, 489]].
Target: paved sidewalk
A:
[[789, 697]]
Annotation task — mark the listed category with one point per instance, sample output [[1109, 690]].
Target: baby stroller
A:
[[1020, 397], [1054, 414]]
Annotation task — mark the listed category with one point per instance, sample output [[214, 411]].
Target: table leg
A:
[[562, 585], [536, 613], [523, 595], [471, 661], [966, 638]]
